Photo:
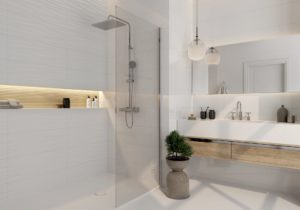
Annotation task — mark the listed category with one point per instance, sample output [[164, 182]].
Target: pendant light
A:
[[196, 50], [212, 56]]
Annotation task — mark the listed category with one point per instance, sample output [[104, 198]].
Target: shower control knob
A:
[[129, 109], [130, 81]]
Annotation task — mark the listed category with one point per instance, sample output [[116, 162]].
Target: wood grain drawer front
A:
[[211, 149], [266, 156]]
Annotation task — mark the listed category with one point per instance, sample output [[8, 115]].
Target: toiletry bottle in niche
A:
[[95, 103], [66, 103], [88, 102], [282, 114]]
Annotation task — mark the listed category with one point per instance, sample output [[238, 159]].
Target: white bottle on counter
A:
[[88, 102], [95, 103]]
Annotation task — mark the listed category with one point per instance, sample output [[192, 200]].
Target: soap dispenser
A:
[[95, 103], [282, 114], [88, 102]]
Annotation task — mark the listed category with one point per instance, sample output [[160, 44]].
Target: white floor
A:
[[91, 194], [96, 194], [210, 196], [204, 196]]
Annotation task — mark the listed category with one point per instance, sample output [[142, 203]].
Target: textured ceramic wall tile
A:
[[47, 150], [53, 44]]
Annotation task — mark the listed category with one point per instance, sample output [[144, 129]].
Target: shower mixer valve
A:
[[129, 109], [130, 80]]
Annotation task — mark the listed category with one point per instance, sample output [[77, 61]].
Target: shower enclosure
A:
[[137, 107], [114, 22]]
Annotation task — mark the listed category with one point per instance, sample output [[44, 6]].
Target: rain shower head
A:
[[114, 22], [109, 24]]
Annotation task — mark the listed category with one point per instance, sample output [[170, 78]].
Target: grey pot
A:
[[177, 180]]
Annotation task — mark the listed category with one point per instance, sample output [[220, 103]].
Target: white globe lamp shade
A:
[[212, 56], [196, 50]]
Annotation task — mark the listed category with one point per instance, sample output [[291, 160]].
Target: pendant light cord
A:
[[197, 24]]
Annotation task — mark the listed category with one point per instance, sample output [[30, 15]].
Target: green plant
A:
[[177, 147]]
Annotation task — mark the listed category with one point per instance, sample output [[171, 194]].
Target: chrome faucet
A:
[[239, 113]]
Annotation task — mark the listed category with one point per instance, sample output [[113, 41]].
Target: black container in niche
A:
[[66, 103], [212, 114], [203, 115]]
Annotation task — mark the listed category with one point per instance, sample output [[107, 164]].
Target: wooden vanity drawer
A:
[[267, 155], [211, 149]]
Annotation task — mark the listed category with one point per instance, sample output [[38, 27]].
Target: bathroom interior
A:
[[91, 90]]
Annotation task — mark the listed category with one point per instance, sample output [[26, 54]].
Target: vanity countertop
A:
[[260, 132]]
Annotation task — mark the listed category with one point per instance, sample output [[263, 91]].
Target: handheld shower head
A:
[[132, 64]]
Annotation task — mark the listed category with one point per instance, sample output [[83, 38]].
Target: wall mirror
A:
[[265, 66]]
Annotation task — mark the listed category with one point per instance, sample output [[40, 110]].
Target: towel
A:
[[4, 102], [10, 104]]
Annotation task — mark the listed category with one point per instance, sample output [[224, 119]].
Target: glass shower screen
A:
[[137, 102]]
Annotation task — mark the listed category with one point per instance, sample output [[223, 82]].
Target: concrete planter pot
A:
[[177, 180]]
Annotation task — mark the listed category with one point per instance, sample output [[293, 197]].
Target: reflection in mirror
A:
[[267, 66]]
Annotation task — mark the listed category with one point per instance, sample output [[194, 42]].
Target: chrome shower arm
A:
[[125, 22]]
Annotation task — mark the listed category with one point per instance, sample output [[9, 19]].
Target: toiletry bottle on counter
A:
[[88, 102], [292, 118], [212, 114]]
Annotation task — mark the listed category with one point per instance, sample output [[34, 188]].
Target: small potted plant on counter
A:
[[179, 153]]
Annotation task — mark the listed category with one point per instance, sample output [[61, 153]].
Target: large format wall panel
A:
[[51, 43], [59, 157]]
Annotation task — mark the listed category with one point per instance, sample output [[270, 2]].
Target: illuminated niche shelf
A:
[[47, 98]]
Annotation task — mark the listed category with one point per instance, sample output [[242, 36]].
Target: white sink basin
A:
[[267, 132]]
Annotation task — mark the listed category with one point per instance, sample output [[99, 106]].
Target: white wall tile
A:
[[36, 142], [18, 190], [3, 172], [46, 150], [3, 146], [3, 126], [3, 137], [24, 167], [86, 171], [17, 120], [3, 45], [87, 118], [40, 36]]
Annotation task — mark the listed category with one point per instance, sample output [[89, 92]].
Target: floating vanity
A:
[[266, 143]]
